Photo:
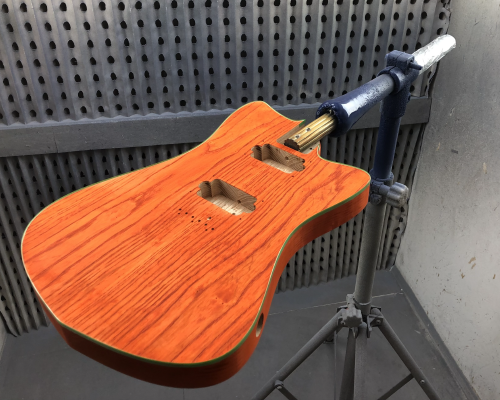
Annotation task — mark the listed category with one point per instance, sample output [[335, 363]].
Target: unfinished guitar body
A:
[[167, 273]]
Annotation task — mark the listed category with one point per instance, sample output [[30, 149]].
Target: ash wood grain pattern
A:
[[144, 275]]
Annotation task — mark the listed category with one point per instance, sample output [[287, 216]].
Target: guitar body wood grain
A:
[[144, 275]]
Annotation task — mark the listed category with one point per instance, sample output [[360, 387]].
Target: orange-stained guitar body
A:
[[142, 274]]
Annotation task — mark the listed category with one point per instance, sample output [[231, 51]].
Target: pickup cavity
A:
[[278, 158], [227, 197]]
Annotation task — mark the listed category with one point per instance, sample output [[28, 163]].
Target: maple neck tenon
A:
[[312, 133]]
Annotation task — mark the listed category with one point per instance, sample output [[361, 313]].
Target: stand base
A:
[[360, 327]]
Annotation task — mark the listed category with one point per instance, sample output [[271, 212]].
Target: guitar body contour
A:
[[167, 273]]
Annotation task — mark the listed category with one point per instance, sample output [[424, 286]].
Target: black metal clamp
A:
[[385, 191]]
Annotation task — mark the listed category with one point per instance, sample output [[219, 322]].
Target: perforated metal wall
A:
[[90, 58], [96, 60]]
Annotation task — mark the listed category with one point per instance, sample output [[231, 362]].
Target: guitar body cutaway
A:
[[167, 273]]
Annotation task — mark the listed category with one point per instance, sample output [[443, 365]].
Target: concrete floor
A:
[[40, 365]]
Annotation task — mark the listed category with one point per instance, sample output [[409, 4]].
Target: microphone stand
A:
[[359, 316]]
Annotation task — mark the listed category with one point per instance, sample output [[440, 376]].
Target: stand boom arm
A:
[[353, 105], [340, 114]]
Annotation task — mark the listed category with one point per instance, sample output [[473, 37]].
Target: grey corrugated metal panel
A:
[[7, 303], [400, 153], [306, 264], [332, 255], [315, 256], [14, 216], [289, 280], [397, 218], [415, 155], [10, 295], [384, 241], [315, 264], [358, 225], [147, 59], [26, 177], [407, 144], [324, 264]]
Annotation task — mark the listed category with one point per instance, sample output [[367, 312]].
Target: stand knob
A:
[[397, 196]]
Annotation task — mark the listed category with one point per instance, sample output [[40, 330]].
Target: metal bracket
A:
[[351, 316], [279, 385], [373, 320], [385, 191], [401, 60], [398, 65]]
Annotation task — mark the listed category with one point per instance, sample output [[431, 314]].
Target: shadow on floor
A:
[[40, 366]]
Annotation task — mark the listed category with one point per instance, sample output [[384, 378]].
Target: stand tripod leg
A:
[[353, 377], [360, 363], [405, 356], [347, 385], [396, 387], [299, 358]]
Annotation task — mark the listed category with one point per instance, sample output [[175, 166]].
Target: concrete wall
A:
[[450, 254]]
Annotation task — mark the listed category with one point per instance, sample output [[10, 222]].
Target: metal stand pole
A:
[[370, 244], [393, 108]]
